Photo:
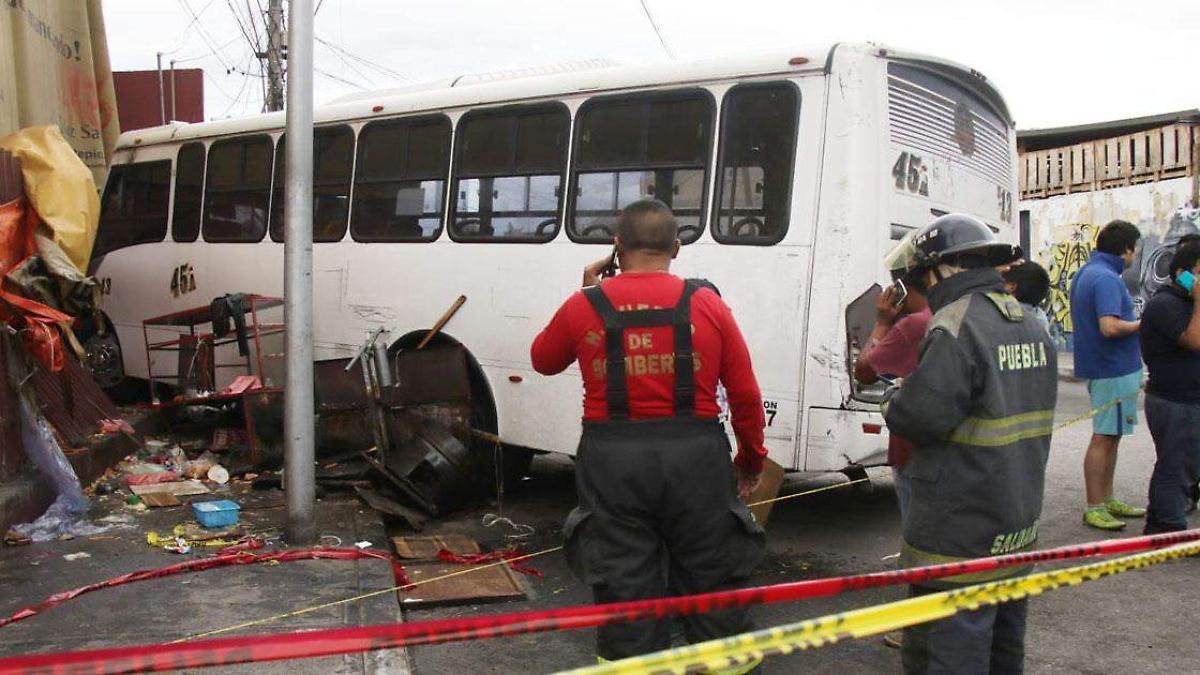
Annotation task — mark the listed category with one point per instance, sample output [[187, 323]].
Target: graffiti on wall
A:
[[1065, 259], [1148, 273], [1150, 270]]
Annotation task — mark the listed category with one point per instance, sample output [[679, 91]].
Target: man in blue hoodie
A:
[[1108, 356]]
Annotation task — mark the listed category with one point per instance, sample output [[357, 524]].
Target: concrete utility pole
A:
[[299, 421], [276, 44]]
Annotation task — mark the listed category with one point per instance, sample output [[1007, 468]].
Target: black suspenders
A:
[[615, 323]]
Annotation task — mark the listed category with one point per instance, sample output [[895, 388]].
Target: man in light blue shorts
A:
[[1109, 357]]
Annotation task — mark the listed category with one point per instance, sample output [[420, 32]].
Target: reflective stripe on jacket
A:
[[980, 411]]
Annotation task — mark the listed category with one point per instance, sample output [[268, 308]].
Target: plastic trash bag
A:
[[67, 515]]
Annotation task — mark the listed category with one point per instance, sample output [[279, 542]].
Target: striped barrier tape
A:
[[258, 648], [745, 649]]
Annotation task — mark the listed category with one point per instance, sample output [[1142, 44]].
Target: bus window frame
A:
[[645, 96], [113, 172], [407, 121], [175, 191], [270, 188], [456, 152], [275, 173], [722, 148]]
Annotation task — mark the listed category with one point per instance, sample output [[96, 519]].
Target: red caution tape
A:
[[308, 644], [446, 555], [232, 555]]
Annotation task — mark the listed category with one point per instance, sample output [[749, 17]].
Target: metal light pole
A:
[[298, 415], [174, 115], [162, 104]]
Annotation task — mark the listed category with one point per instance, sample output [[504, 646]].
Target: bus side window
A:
[[237, 190], [134, 208], [189, 185], [508, 174], [333, 157], [632, 147], [758, 150], [399, 185]]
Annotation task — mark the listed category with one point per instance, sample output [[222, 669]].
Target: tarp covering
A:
[[60, 187], [54, 69]]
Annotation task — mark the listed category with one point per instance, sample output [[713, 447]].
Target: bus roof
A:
[[596, 76]]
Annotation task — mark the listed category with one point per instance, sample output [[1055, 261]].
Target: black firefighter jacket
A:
[[979, 410]]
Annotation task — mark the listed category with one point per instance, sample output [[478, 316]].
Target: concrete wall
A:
[[1063, 233]]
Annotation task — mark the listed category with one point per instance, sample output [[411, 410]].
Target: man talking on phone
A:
[[658, 492], [1170, 337]]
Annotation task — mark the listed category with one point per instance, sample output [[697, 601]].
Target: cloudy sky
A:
[[1058, 62]]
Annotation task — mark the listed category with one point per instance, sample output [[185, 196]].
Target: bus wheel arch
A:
[[484, 413]]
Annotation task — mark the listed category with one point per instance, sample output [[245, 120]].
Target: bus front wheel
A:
[[103, 353]]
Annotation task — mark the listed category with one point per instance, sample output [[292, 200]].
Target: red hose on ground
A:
[[233, 555], [308, 644]]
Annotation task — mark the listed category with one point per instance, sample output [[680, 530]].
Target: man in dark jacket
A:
[[979, 410]]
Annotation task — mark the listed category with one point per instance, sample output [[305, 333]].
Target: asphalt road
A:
[[1137, 622]]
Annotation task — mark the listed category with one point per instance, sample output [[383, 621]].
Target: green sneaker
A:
[[1119, 508], [1102, 520]]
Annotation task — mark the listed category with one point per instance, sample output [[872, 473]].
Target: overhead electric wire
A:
[[337, 78], [204, 35], [654, 24], [237, 17], [366, 62], [351, 66]]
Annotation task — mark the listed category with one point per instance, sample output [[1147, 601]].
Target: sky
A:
[[1057, 62]]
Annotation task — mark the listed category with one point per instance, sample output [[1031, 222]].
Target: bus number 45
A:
[[183, 280], [911, 173]]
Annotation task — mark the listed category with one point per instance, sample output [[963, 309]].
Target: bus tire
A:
[[857, 472], [104, 355]]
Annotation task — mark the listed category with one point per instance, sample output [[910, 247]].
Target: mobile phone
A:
[[1187, 280], [901, 293], [610, 270]]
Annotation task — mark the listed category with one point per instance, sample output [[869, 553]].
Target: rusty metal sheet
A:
[[489, 584], [431, 375], [427, 548], [71, 400], [337, 388]]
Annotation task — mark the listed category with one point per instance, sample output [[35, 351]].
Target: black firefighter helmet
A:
[[960, 240]]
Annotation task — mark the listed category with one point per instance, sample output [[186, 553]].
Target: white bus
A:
[[791, 176]]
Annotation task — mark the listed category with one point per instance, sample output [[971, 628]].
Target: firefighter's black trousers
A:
[[659, 515]]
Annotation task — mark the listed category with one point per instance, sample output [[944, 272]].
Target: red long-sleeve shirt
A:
[[576, 333]]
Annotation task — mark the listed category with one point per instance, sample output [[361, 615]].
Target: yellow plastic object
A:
[[60, 188]]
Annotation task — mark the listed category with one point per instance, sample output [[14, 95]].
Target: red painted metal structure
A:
[[137, 97]]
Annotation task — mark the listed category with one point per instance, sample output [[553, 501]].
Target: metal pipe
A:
[[162, 103], [299, 408], [174, 114], [382, 371]]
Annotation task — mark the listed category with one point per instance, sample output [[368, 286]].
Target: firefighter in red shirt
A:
[[658, 510]]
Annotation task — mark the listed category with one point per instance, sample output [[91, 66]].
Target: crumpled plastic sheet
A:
[[67, 515]]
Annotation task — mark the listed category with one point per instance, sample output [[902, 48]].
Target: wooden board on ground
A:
[[486, 584], [160, 499], [181, 488], [772, 480], [426, 548]]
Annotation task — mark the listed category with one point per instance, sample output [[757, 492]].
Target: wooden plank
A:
[[1170, 147], [159, 499], [426, 548], [486, 584], [181, 488]]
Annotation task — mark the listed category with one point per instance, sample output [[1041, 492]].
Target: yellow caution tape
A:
[[742, 649]]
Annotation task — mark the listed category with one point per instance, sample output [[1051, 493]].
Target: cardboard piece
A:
[[160, 499], [768, 488], [181, 488], [491, 584], [426, 548]]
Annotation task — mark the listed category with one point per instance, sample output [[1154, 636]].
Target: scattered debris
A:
[[151, 478], [160, 499], [388, 506], [117, 426], [77, 556], [360, 545], [218, 474], [494, 583], [12, 538], [183, 488]]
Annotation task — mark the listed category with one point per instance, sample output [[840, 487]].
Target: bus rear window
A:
[[632, 147], [399, 185], [758, 150], [134, 209], [189, 195], [508, 174], [237, 192], [333, 158]]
